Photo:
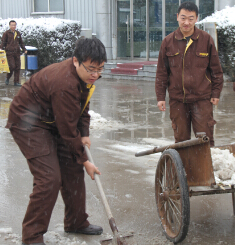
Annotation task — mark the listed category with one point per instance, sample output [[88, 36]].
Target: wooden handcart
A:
[[182, 166]]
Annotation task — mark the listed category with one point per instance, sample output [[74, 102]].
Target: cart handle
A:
[[197, 141]]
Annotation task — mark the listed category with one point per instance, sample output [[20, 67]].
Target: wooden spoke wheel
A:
[[172, 196]]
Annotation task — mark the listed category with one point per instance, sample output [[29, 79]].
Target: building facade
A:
[[129, 29]]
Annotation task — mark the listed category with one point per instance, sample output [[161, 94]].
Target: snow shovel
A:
[[117, 238]]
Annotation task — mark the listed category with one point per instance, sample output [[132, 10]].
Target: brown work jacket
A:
[[12, 44], [190, 71], [53, 99]]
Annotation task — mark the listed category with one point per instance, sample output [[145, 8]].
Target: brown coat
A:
[[11, 44], [190, 73], [52, 99]]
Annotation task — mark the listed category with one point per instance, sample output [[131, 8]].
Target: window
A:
[[48, 6]]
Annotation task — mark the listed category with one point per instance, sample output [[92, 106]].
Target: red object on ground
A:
[[131, 68]]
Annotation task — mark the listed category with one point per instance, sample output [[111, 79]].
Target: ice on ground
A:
[[13, 238], [132, 171], [50, 238], [223, 165], [3, 123], [158, 141], [126, 147]]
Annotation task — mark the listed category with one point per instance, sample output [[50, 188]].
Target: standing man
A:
[[11, 42], [188, 65], [49, 120]]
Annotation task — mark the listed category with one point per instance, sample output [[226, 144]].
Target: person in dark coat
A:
[[49, 120], [189, 68], [11, 42]]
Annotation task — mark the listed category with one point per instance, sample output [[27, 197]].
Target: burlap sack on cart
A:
[[3, 62]]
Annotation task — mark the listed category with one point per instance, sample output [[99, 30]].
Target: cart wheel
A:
[[172, 196]]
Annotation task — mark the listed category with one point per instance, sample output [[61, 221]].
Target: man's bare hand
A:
[[214, 101], [86, 141], [161, 105], [91, 169]]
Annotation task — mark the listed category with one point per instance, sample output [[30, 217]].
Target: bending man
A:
[[49, 121]]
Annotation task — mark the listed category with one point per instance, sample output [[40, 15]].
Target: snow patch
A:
[[132, 171], [223, 18], [52, 237], [223, 165], [159, 141], [5, 230], [98, 122], [131, 148], [6, 99], [29, 24]]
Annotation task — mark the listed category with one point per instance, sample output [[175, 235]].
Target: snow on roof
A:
[[223, 18]]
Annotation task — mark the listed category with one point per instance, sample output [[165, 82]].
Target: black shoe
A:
[[90, 230], [7, 81], [40, 243], [17, 84]]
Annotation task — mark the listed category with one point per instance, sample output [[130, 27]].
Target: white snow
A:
[[132, 171], [5, 230], [223, 165], [98, 122], [51, 237], [223, 18], [29, 24]]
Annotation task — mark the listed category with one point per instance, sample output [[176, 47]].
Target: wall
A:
[[22, 8]]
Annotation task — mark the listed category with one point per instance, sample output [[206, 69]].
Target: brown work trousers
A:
[[54, 168], [13, 59], [199, 113]]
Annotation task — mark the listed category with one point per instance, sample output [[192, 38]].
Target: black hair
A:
[[12, 21], [90, 48], [190, 6]]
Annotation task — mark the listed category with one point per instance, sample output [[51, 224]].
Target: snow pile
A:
[[223, 165], [100, 123], [223, 18]]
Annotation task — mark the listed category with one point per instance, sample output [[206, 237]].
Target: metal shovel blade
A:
[[120, 240]]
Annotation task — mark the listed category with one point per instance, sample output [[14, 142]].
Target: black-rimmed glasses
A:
[[93, 72]]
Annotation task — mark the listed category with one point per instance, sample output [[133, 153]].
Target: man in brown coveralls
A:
[[11, 42], [188, 65], [49, 121]]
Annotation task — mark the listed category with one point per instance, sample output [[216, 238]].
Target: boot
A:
[[90, 230]]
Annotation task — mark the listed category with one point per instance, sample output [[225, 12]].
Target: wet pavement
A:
[[128, 181]]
